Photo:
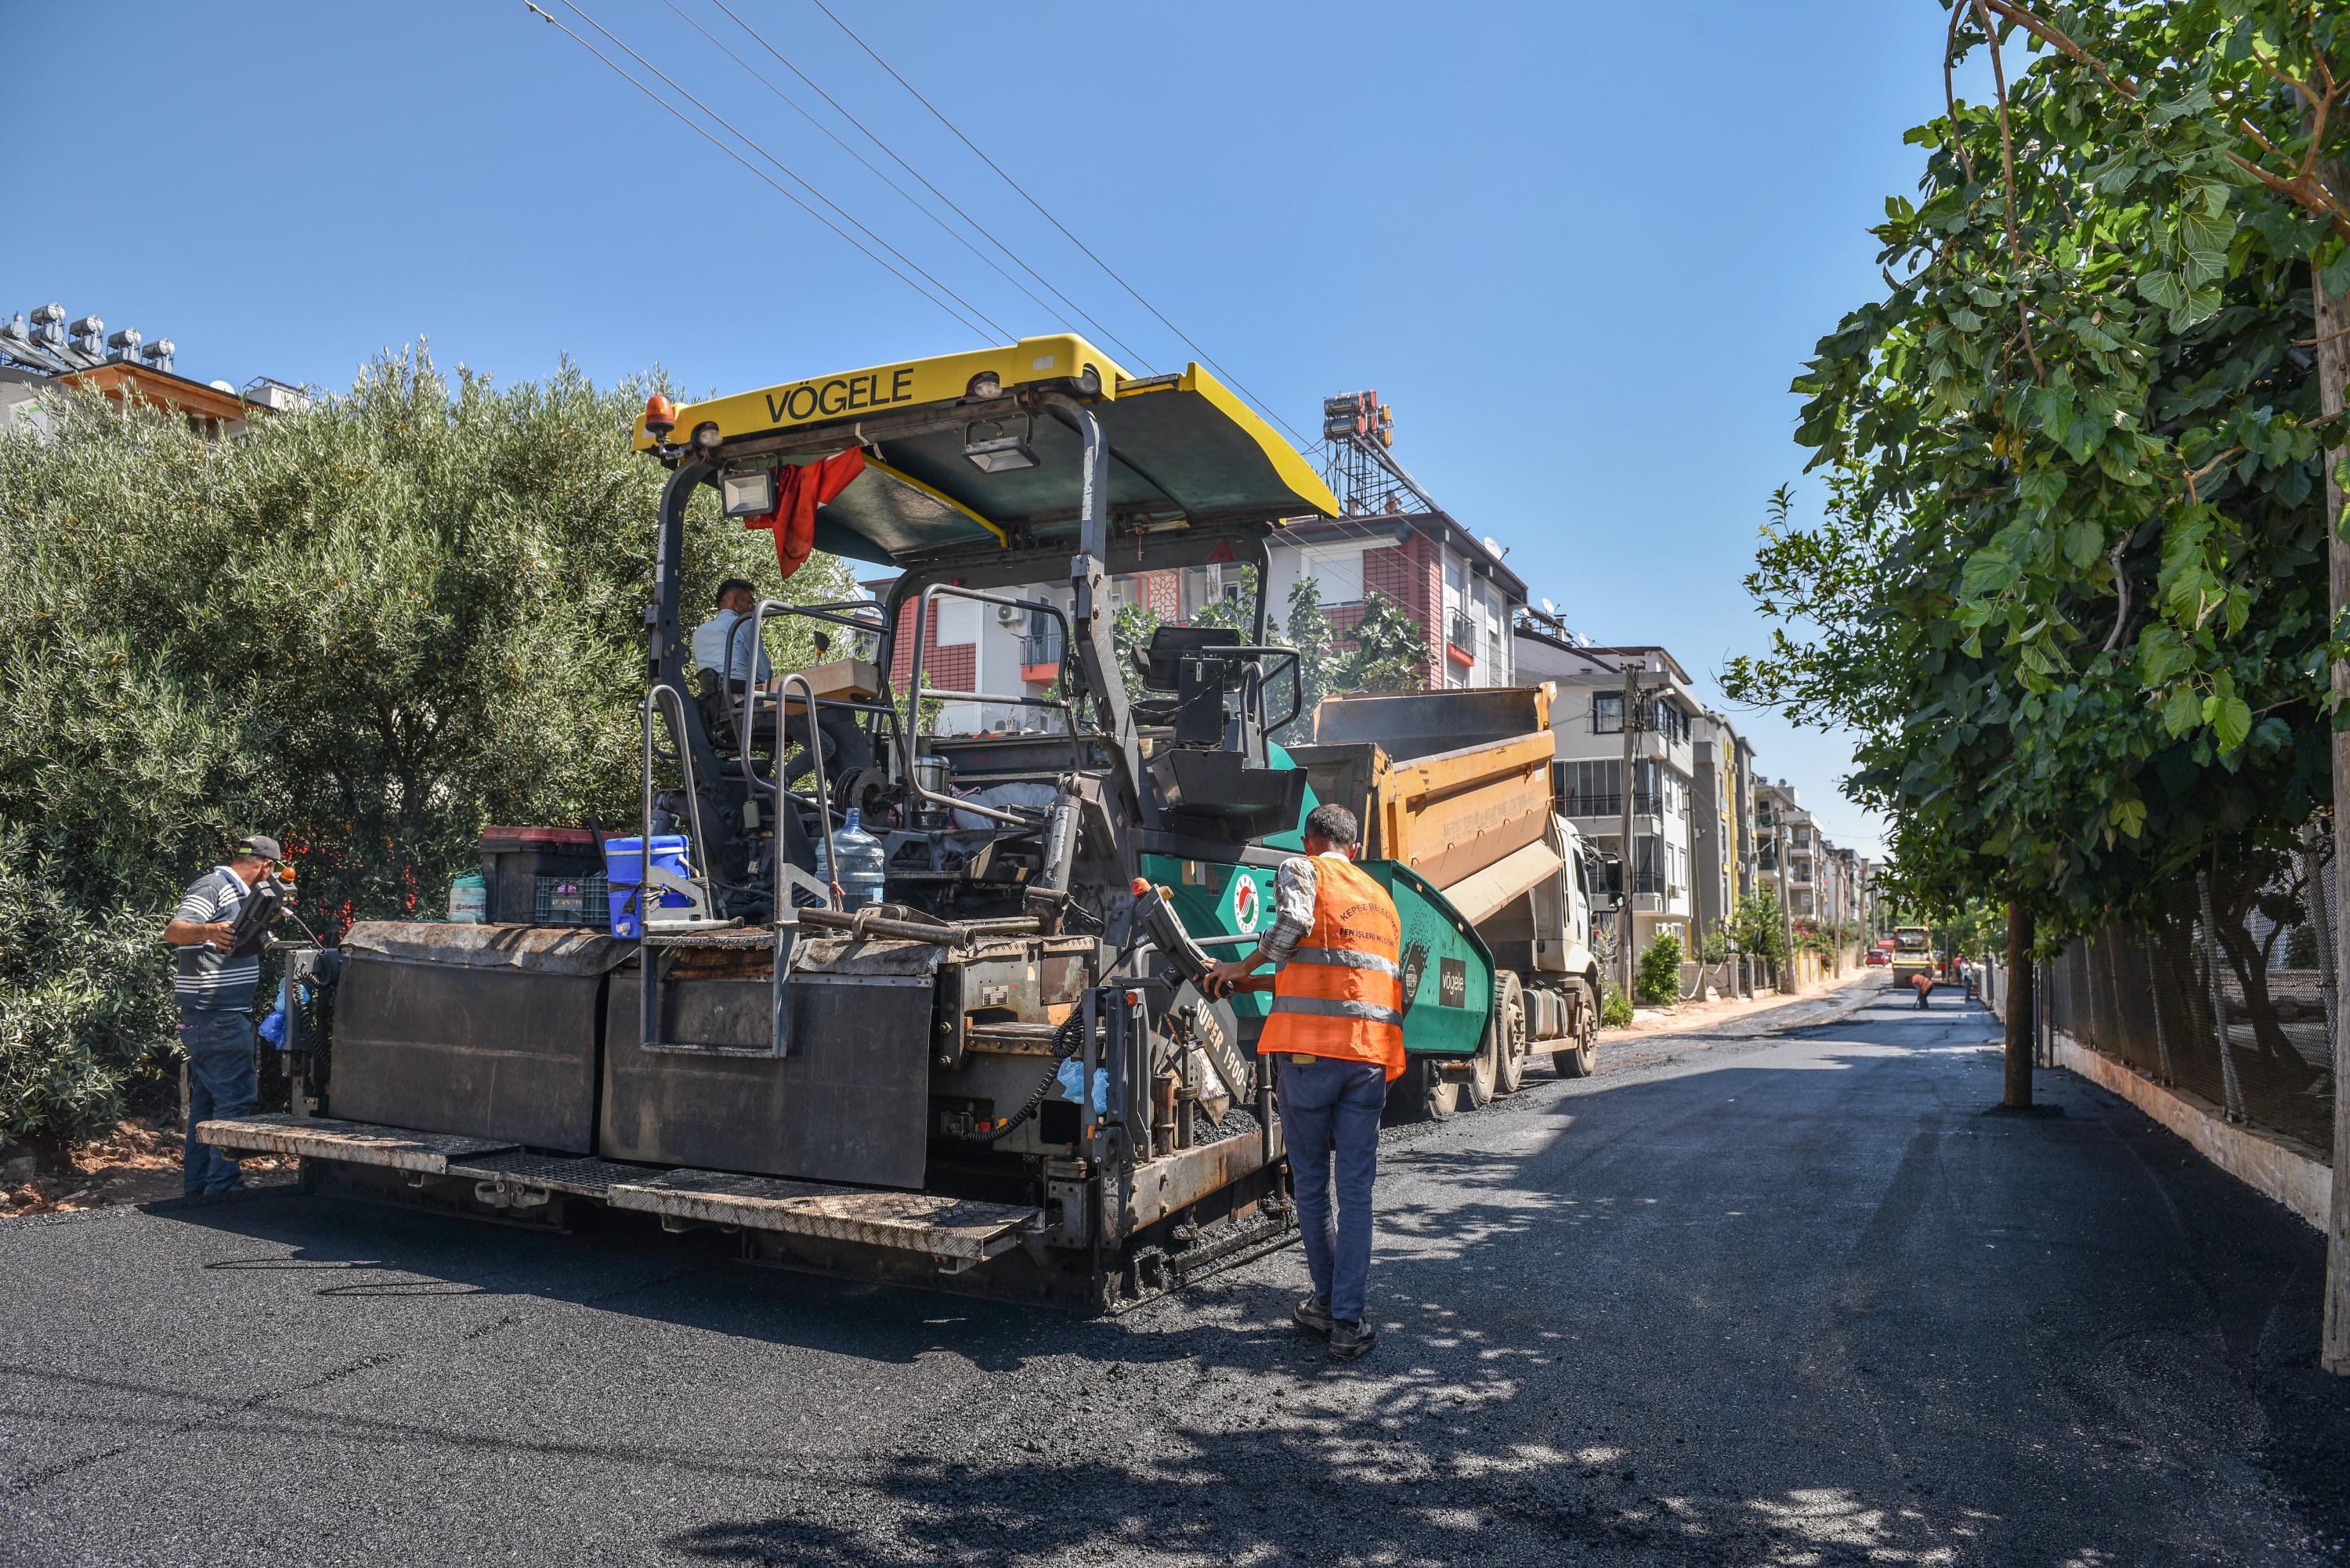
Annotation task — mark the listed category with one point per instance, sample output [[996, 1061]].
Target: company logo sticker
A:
[[1248, 903]]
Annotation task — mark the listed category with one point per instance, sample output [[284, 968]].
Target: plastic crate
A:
[[568, 900]]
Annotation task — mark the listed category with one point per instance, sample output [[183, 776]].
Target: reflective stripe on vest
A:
[[1348, 957], [1328, 1007], [1341, 993]]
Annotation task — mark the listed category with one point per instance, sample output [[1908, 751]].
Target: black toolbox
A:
[[544, 877]]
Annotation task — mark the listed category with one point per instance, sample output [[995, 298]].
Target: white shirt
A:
[[715, 639]]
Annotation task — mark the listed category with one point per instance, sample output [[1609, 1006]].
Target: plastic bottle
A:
[[861, 857], [469, 899]]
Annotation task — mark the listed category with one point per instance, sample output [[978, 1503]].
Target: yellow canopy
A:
[[1182, 449]]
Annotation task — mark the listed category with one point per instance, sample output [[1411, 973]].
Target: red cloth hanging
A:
[[798, 493]]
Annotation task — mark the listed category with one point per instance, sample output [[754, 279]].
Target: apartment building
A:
[[1450, 581], [1722, 836], [43, 355], [1659, 876], [1823, 883]]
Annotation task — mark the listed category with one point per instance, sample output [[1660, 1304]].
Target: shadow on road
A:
[[1719, 1312]]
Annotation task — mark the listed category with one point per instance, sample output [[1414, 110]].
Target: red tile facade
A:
[[954, 666], [1412, 575]]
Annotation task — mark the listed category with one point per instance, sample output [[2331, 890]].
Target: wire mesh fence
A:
[[2229, 993]]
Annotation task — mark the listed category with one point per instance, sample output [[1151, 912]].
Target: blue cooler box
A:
[[624, 876]]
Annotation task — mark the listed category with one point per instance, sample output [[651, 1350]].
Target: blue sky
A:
[[1581, 248]]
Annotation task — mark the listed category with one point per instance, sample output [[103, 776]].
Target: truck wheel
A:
[[1581, 1059], [1484, 1069], [1421, 1094], [1510, 1024]]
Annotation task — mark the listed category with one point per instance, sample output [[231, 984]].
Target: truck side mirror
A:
[[1612, 870]]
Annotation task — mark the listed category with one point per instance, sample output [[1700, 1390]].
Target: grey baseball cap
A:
[[260, 845]]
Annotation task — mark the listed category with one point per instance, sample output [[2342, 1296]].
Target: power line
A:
[[731, 130], [944, 226], [746, 163], [1138, 360], [1056, 223]]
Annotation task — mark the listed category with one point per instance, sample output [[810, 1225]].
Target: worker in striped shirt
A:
[[217, 977]]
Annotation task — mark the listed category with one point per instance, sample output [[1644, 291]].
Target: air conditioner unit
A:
[[1011, 616]]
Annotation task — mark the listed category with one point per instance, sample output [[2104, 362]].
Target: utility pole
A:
[[1631, 861], [1782, 838], [2332, 314]]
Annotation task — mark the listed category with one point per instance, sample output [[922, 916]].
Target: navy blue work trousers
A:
[[1330, 1122], [219, 1043]]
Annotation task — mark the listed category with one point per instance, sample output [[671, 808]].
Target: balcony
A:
[[1040, 657], [1461, 639], [1610, 805]]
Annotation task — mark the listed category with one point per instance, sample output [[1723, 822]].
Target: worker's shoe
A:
[[1351, 1341], [1314, 1314]]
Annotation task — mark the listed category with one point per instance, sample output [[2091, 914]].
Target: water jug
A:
[[469, 899], [861, 861]]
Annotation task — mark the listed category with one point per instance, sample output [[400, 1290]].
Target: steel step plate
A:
[[955, 1229], [319, 1137], [555, 1173]]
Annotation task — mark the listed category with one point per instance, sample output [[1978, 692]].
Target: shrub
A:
[[1614, 1007], [1659, 980], [2300, 948], [368, 629]]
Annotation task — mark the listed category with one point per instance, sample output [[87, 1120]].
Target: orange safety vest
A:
[[1341, 993]]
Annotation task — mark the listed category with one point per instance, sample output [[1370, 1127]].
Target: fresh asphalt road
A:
[[1748, 1297]]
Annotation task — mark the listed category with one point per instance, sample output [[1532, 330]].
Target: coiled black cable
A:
[[1067, 1041]]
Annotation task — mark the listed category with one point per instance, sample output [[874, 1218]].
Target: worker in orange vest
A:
[[1335, 1035]]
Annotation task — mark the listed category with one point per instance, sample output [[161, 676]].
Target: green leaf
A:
[[2233, 722], [2083, 542], [2182, 713], [2164, 289]]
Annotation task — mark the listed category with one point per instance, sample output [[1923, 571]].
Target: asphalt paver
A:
[[1784, 1293]]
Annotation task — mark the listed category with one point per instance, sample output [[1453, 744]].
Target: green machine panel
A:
[[1448, 972]]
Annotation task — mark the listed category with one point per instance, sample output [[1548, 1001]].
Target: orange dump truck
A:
[[1456, 786]]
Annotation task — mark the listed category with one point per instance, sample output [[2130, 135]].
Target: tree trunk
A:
[[2020, 1003], [2332, 314]]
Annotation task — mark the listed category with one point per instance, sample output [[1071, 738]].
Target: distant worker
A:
[[1335, 1035], [1967, 976], [1924, 980], [217, 977], [726, 644]]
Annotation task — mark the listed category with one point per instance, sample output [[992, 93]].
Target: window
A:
[[1647, 874], [1606, 713], [1336, 574], [1588, 789]]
